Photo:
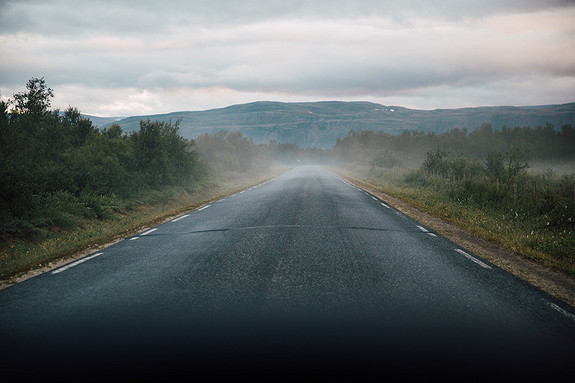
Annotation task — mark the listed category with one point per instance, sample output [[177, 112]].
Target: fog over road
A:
[[302, 276]]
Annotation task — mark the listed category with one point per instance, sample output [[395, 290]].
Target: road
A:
[[304, 276]]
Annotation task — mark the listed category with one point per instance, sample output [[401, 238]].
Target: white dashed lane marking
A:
[[75, 263], [179, 218], [472, 258], [562, 311]]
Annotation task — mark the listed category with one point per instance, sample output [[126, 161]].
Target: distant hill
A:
[[320, 124], [101, 122]]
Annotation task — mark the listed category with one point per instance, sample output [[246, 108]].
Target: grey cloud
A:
[[58, 17]]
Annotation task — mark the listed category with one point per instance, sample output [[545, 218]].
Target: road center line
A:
[[471, 258], [205, 207], [75, 263]]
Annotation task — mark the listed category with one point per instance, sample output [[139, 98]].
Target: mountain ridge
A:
[[320, 124]]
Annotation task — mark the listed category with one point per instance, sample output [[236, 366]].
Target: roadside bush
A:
[[417, 178], [96, 205], [480, 193], [59, 208]]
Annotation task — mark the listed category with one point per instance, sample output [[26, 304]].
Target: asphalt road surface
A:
[[302, 277]]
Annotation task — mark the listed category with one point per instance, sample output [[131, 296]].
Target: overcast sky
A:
[[121, 58]]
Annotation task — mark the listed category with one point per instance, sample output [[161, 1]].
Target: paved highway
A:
[[304, 276]]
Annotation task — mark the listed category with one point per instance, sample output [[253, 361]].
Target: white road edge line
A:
[[148, 232], [75, 263], [384, 205], [471, 258], [179, 218], [425, 231], [562, 311], [205, 207]]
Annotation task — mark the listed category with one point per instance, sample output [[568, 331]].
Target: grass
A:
[[19, 255], [547, 237]]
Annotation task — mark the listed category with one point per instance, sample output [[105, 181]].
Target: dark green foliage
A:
[[479, 192], [494, 165], [36, 100], [56, 168], [161, 155], [436, 162]]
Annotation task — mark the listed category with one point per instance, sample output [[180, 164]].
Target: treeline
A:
[[56, 167], [379, 149]]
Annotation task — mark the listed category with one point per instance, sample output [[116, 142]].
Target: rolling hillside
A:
[[320, 124]]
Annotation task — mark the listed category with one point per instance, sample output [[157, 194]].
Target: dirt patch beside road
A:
[[553, 282]]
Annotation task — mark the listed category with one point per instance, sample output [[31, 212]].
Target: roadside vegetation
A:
[[481, 181]]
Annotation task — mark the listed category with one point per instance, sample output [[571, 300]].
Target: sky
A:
[[124, 58]]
